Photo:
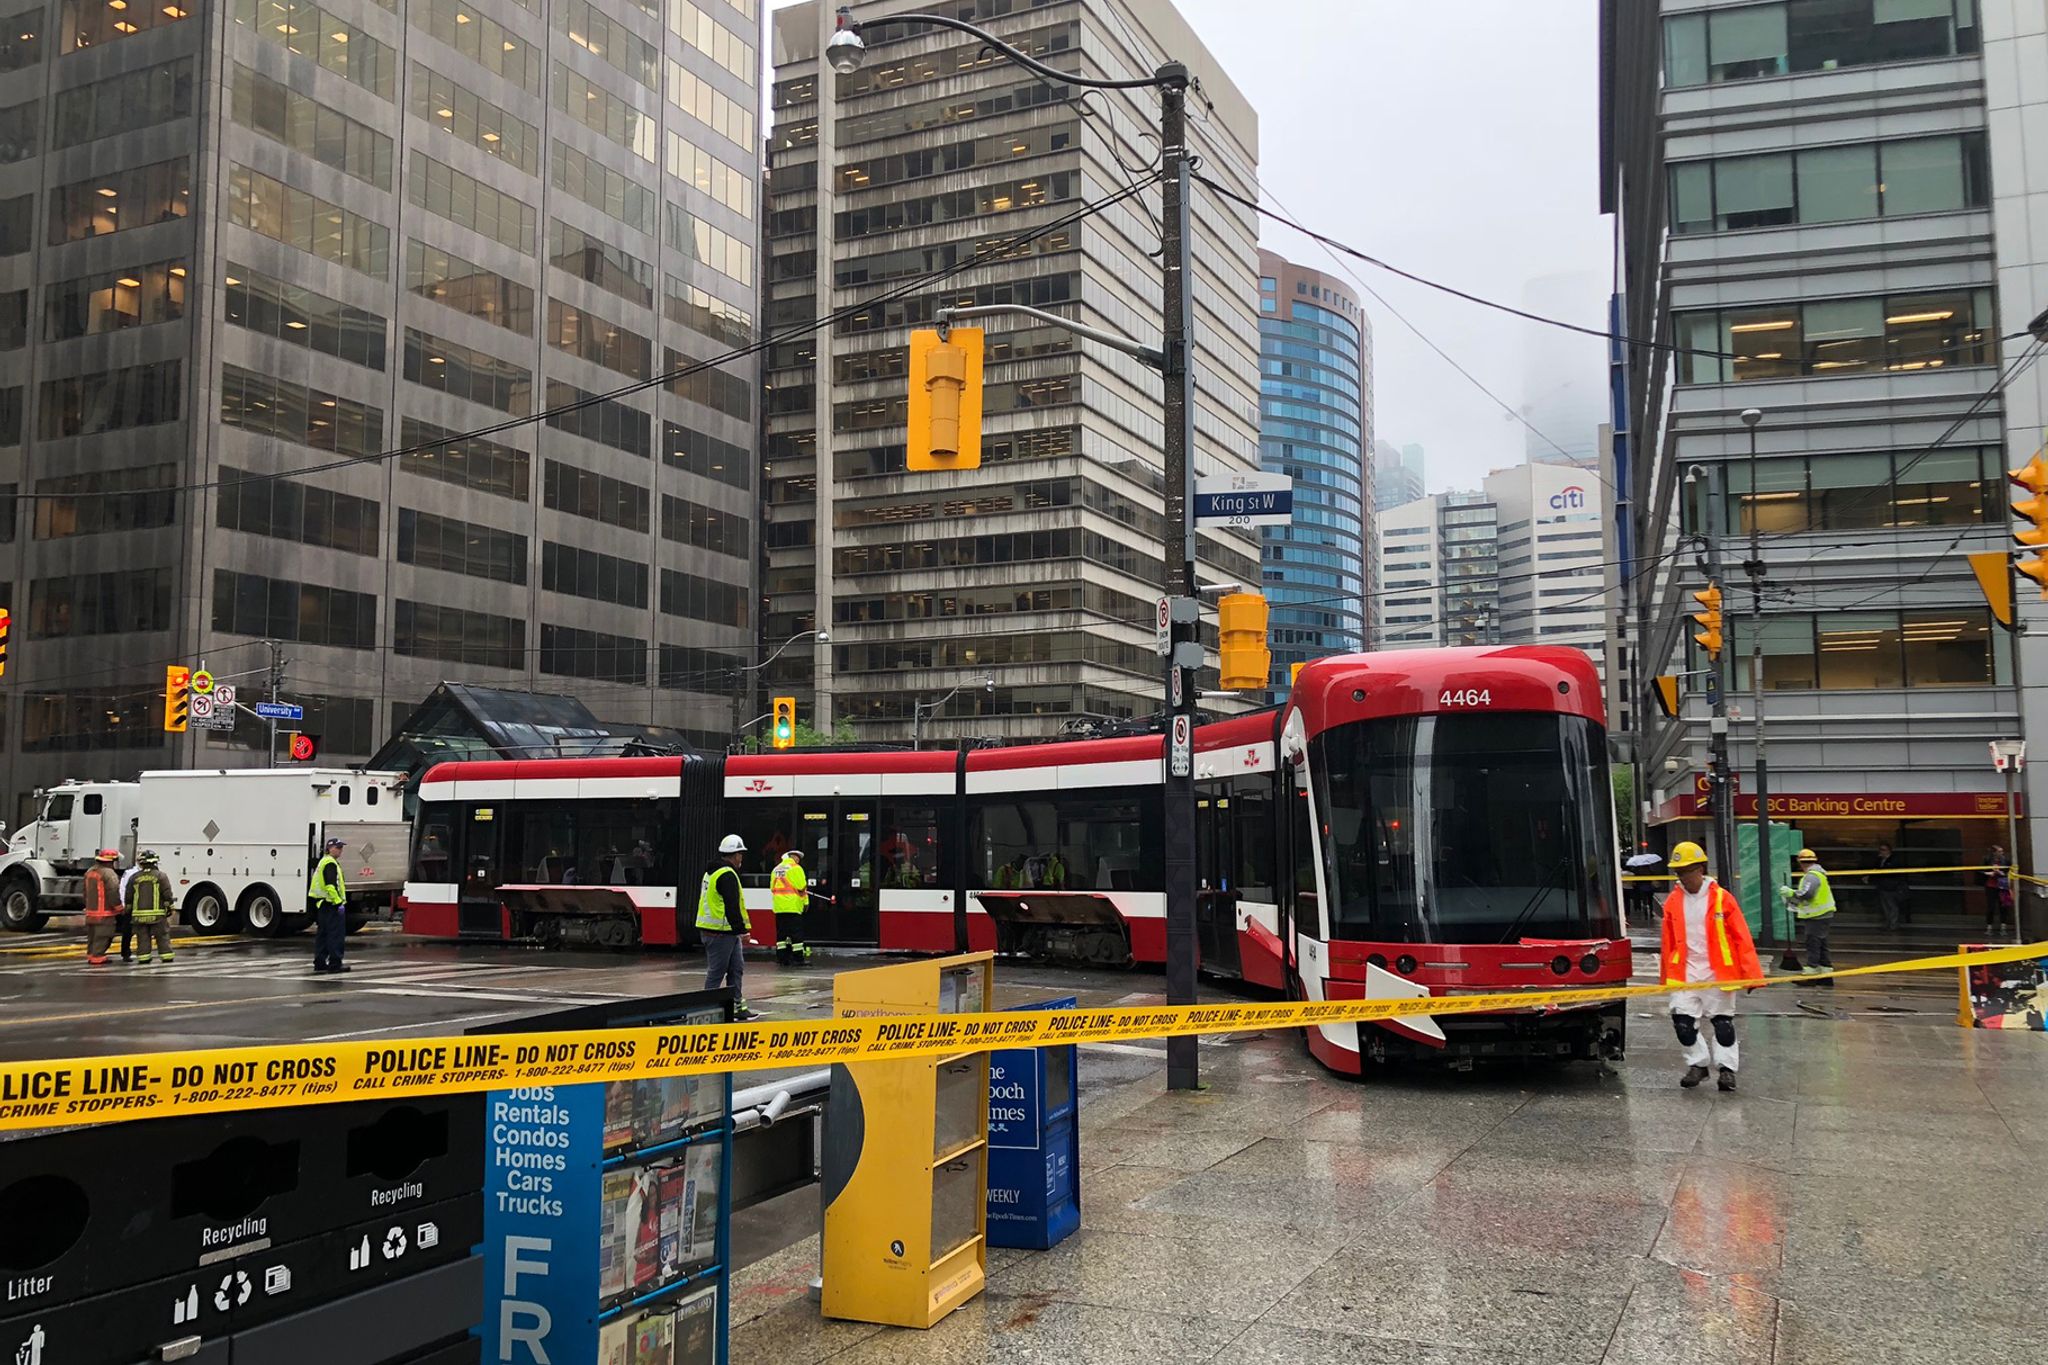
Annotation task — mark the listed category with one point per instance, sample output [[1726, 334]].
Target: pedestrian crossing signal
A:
[[304, 748], [782, 728], [177, 698], [6, 625]]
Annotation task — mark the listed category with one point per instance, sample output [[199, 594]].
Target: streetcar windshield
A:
[[1470, 827]]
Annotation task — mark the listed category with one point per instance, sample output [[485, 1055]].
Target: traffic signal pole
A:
[[1721, 778], [1754, 567]]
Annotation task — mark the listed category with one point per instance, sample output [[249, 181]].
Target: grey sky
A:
[[1458, 140]]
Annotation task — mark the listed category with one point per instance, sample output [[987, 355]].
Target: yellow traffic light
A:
[[2033, 476], [177, 698], [945, 399], [782, 731], [1709, 621], [1241, 624], [1665, 688]]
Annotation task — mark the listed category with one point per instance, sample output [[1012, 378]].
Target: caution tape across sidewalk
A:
[[1842, 872], [54, 1093]]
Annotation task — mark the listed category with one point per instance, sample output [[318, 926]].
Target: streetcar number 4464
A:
[[1469, 696]]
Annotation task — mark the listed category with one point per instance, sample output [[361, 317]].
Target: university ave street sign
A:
[[1244, 500]]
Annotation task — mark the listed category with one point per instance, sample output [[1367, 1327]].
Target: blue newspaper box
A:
[[1034, 1166]]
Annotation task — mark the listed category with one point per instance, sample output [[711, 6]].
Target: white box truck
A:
[[238, 844]]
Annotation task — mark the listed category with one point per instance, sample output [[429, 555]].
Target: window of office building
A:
[[123, 603], [343, 724], [496, 49], [466, 287], [687, 668], [1747, 41], [723, 115], [589, 573], [300, 316], [428, 630], [1835, 336], [21, 131], [10, 415], [610, 268], [587, 493], [591, 338], [876, 172], [892, 72], [325, 231], [436, 363], [604, 113], [604, 420], [279, 609], [133, 296], [705, 313], [133, 499], [21, 39], [728, 184], [17, 224], [931, 210], [691, 21], [439, 188], [571, 653], [302, 123], [587, 26], [145, 98], [702, 382], [136, 197], [603, 188], [439, 102], [703, 599], [291, 509], [434, 452], [112, 400], [690, 523], [1855, 490], [306, 30], [79, 720], [461, 547], [1874, 650], [689, 449], [710, 246], [85, 23], [1831, 184], [13, 319], [263, 406]]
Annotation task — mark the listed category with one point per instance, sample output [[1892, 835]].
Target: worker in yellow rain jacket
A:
[[792, 897], [722, 923], [149, 901], [327, 897]]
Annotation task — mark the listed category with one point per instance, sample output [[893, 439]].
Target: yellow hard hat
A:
[[1806, 856], [1687, 854]]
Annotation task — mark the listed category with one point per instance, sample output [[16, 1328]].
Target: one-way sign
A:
[[279, 710]]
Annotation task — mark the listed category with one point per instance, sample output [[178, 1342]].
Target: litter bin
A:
[[1034, 1170]]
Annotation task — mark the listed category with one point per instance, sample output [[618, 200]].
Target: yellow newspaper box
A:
[[905, 1164]]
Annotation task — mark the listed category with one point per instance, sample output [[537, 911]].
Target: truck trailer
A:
[[238, 844]]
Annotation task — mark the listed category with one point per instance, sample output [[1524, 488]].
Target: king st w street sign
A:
[[1244, 500]]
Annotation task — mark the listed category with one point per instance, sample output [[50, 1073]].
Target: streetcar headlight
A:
[[1561, 964], [1404, 964], [1590, 963]]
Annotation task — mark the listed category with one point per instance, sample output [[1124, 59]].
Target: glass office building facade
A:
[[1315, 427], [248, 249]]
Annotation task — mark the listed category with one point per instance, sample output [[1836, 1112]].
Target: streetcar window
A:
[[620, 843], [434, 843], [765, 825], [1476, 828], [1251, 821], [1077, 841], [1308, 917], [916, 846], [543, 851]]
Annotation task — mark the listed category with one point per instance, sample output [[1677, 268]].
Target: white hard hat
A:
[[732, 843]]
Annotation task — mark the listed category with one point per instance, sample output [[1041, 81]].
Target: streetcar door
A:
[[479, 911], [841, 862]]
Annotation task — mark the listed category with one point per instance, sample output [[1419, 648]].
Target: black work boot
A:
[[1727, 1081], [1693, 1076]]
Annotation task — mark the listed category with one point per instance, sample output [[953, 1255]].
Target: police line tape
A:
[[54, 1093]]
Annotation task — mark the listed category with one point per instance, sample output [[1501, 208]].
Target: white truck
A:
[[238, 844]]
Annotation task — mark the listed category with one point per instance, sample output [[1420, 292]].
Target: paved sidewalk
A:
[[1872, 1194]]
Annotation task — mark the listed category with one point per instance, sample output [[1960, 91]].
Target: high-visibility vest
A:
[[1730, 951], [1823, 902], [716, 904], [790, 890], [321, 890], [102, 892], [146, 899]]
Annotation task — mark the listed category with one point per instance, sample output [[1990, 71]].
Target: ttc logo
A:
[[1563, 499], [758, 784]]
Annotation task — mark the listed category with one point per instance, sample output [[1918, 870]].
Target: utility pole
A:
[[276, 648], [1707, 479], [1754, 567]]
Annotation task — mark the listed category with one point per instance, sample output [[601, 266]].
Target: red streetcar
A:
[[1443, 816]]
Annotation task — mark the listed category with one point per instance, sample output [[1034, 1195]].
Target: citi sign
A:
[[1566, 498]]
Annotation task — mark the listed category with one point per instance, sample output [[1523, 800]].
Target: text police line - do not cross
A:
[[48, 1094]]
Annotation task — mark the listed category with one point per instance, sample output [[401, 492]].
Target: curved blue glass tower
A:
[[1315, 425]]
